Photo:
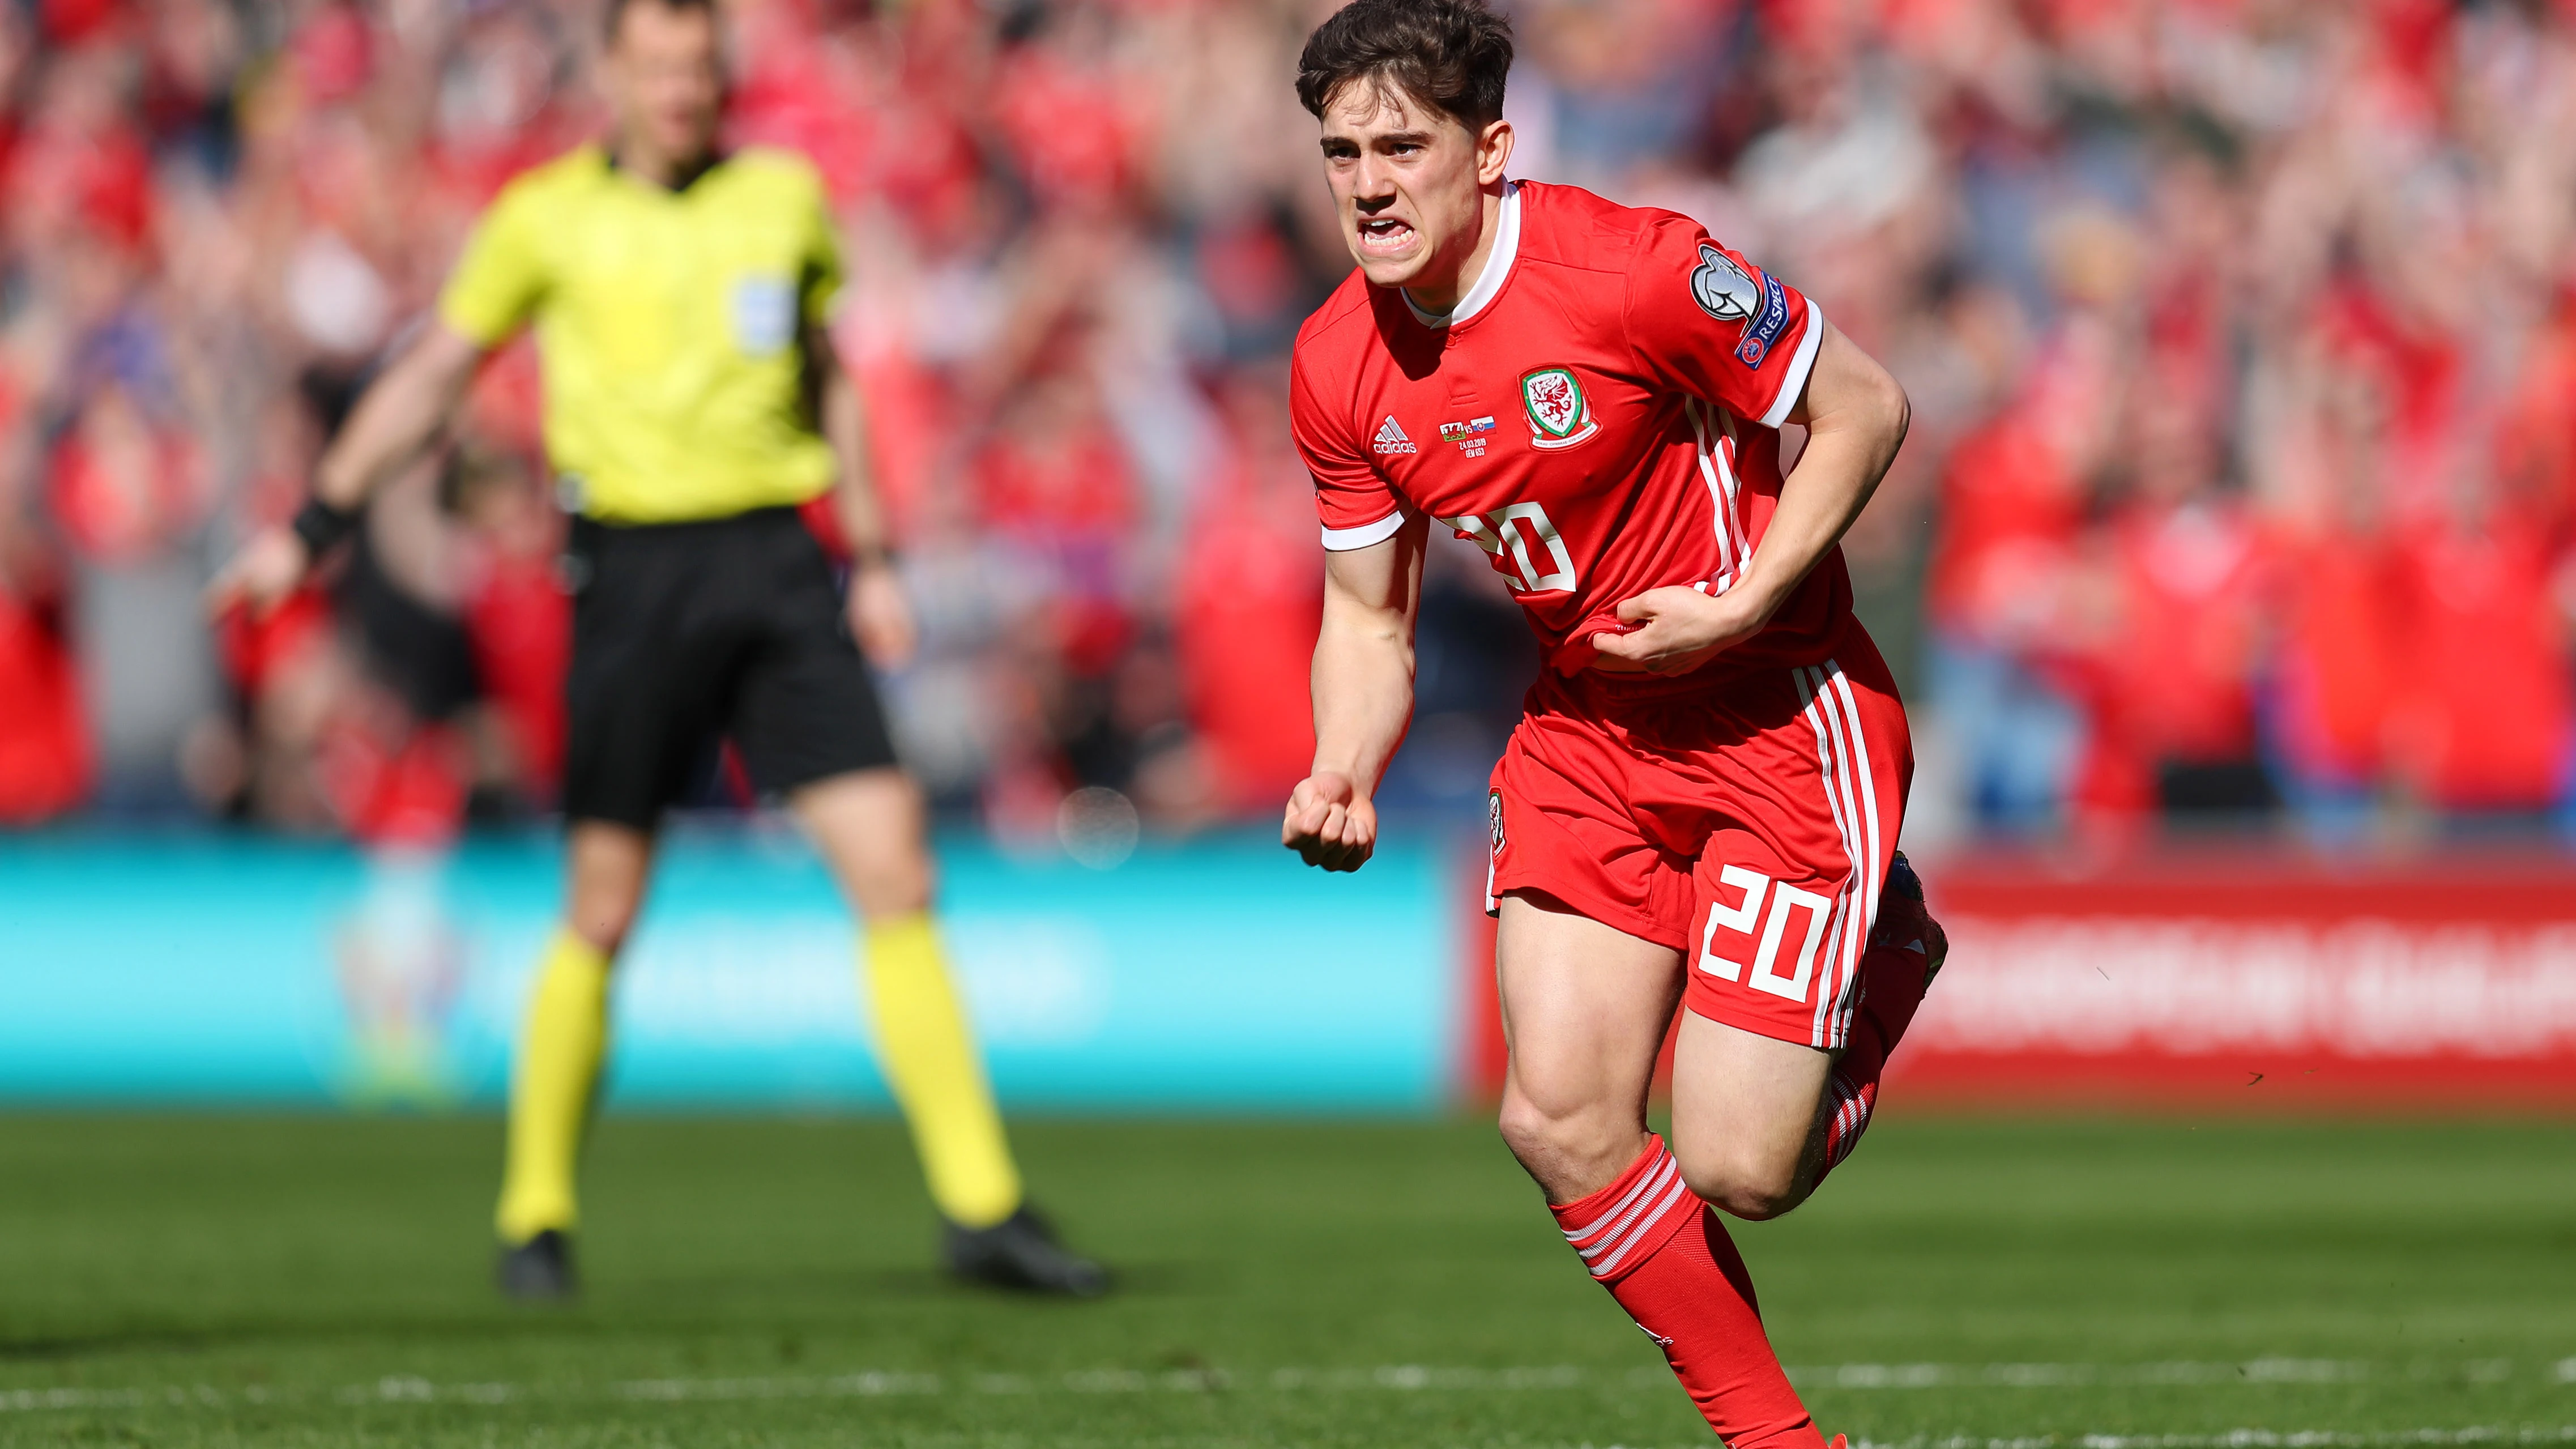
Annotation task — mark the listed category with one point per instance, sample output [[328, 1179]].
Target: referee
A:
[[679, 296]]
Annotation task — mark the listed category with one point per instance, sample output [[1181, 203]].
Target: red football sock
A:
[[1662, 1253], [1893, 976], [1853, 1102]]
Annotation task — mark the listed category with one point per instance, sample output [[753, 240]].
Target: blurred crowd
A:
[[2241, 336]]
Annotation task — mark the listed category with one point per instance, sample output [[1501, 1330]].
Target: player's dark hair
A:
[[614, 13], [1450, 55]]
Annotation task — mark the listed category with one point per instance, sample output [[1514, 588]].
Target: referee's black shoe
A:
[[538, 1270], [1021, 1252]]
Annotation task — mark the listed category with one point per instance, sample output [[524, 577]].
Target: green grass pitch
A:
[[211, 1280]]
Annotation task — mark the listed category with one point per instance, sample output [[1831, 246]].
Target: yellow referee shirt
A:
[[668, 325]]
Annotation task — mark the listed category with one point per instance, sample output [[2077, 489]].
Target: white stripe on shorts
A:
[[1870, 881], [1823, 707]]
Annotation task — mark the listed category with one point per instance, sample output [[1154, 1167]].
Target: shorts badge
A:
[[1494, 817], [1560, 416]]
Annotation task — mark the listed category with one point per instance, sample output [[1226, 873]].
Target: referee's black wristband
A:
[[321, 526]]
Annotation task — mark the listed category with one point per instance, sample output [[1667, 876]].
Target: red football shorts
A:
[[1747, 823]]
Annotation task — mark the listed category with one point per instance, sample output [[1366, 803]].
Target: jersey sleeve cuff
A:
[[1803, 361], [1343, 540], [461, 318]]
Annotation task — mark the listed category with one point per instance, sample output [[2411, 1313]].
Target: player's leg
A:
[[1747, 1127], [1810, 945], [870, 827], [562, 1045], [1906, 950], [1584, 1010], [1759, 1122], [809, 724], [1852, 713], [638, 698]]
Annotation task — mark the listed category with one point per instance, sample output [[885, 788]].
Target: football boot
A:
[[1021, 1252], [538, 1270]]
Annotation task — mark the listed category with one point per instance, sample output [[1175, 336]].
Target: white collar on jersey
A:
[[1498, 265]]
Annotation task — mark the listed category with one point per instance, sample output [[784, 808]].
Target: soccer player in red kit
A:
[[1700, 807]]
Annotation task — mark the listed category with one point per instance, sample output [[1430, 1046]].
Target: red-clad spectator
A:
[[805, 92], [2535, 456], [497, 110], [1071, 125], [2340, 658], [1055, 483], [2337, 673], [2019, 488], [393, 783], [44, 740], [2010, 511], [1249, 602], [1055, 473], [2192, 579], [79, 173], [517, 617], [2174, 707], [2414, 373], [2483, 718], [124, 486], [2330, 238]]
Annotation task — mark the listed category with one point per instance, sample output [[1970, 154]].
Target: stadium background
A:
[[2237, 532], [2228, 572]]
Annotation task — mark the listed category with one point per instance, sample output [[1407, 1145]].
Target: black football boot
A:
[[1021, 1252], [538, 1270]]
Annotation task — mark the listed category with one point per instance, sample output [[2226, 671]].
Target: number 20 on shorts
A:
[[1784, 899]]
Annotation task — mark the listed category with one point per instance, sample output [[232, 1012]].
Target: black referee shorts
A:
[[685, 631]]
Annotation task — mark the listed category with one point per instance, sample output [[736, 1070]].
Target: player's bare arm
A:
[[1363, 685], [398, 418], [1856, 416], [880, 617]]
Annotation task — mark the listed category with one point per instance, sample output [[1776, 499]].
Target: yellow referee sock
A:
[[550, 1093], [938, 1080]]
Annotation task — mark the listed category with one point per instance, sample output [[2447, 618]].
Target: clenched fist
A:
[[1329, 822]]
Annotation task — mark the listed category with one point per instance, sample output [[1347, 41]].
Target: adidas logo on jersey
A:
[[1391, 438]]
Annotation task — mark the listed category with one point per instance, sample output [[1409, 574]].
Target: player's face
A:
[[1408, 183], [666, 80]]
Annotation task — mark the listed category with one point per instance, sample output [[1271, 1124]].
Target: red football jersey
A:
[[1598, 414]]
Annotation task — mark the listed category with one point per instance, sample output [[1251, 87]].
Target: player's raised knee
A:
[[1569, 1150], [1742, 1179], [1527, 1127]]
